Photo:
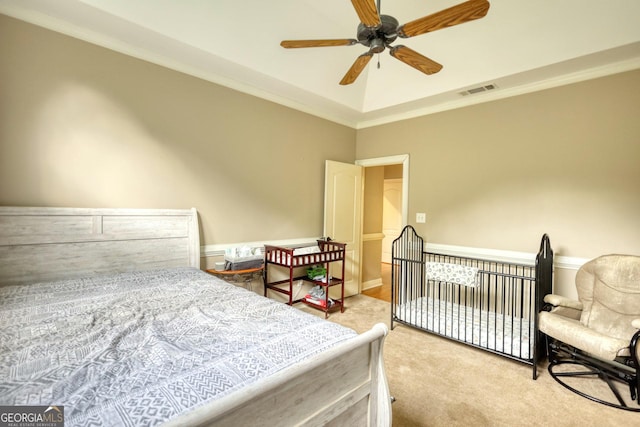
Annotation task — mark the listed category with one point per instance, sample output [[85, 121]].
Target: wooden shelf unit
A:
[[330, 252]]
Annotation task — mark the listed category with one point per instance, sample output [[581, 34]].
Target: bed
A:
[[485, 303], [106, 313]]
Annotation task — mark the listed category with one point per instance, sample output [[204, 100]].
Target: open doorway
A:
[[385, 208], [391, 208]]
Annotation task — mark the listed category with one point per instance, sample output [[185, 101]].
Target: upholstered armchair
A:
[[600, 332]]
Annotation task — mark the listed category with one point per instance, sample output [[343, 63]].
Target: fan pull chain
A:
[[378, 61]]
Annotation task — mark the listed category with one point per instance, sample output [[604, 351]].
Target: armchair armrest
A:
[[560, 301]]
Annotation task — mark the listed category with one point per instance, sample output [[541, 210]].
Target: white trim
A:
[[526, 258], [372, 237], [569, 263], [394, 160], [370, 284], [219, 249], [558, 81]]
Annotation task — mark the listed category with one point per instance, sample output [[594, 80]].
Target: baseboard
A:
[[370, 284]]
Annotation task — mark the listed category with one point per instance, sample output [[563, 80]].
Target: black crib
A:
[[496, 312]]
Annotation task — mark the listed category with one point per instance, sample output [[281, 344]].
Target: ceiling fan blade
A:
[[367, 12], [459, 14], [291, 44], [414, 59], [356, 68]]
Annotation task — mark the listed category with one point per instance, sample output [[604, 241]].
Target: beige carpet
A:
[[437, 382]]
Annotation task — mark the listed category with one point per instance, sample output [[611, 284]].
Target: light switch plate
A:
[[421, 218]]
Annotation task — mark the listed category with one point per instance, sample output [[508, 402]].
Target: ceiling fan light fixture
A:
[[377, 46], [378, 32]]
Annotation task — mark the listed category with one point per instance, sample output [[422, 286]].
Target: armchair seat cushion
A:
[[574, 333]]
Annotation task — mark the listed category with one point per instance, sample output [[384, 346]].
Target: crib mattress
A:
[[487, 329]]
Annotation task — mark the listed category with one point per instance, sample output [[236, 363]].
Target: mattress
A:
[[142, 347], [487, 329]]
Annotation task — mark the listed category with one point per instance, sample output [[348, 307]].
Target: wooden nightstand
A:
[[246, 276]]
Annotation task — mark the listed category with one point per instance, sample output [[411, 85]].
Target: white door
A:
[[391, 215], [343, 218]]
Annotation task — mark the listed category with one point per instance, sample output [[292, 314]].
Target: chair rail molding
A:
[[564, 262], [219, 249]]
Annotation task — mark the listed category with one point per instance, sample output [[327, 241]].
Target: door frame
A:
[[394, 160]]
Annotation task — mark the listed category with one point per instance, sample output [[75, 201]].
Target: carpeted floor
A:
[[437, 382]]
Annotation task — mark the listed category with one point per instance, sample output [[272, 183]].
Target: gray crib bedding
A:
[[143, 347]]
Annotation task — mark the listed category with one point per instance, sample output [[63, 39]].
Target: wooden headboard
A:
[[43, 244]]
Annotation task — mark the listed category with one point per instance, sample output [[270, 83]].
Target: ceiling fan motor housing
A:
[[377, 38]]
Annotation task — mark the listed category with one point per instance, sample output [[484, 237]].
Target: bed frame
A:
[[345, 385], [498, 315]]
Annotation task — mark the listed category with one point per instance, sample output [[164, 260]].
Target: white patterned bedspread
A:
[[140, 348], [494, 331]]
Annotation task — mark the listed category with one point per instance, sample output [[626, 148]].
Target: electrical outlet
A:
[[421, 218]]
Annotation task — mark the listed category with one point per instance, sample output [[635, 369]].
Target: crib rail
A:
[[327, 251], [495, 311]]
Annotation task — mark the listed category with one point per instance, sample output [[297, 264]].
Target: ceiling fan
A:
[[377, 32]]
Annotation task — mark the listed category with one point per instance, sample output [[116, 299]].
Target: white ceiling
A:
[[521, 46]]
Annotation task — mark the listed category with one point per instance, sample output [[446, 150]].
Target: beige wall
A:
[[564, 161], [372, 206], [83, 126], [393, 172], [372, 226]]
